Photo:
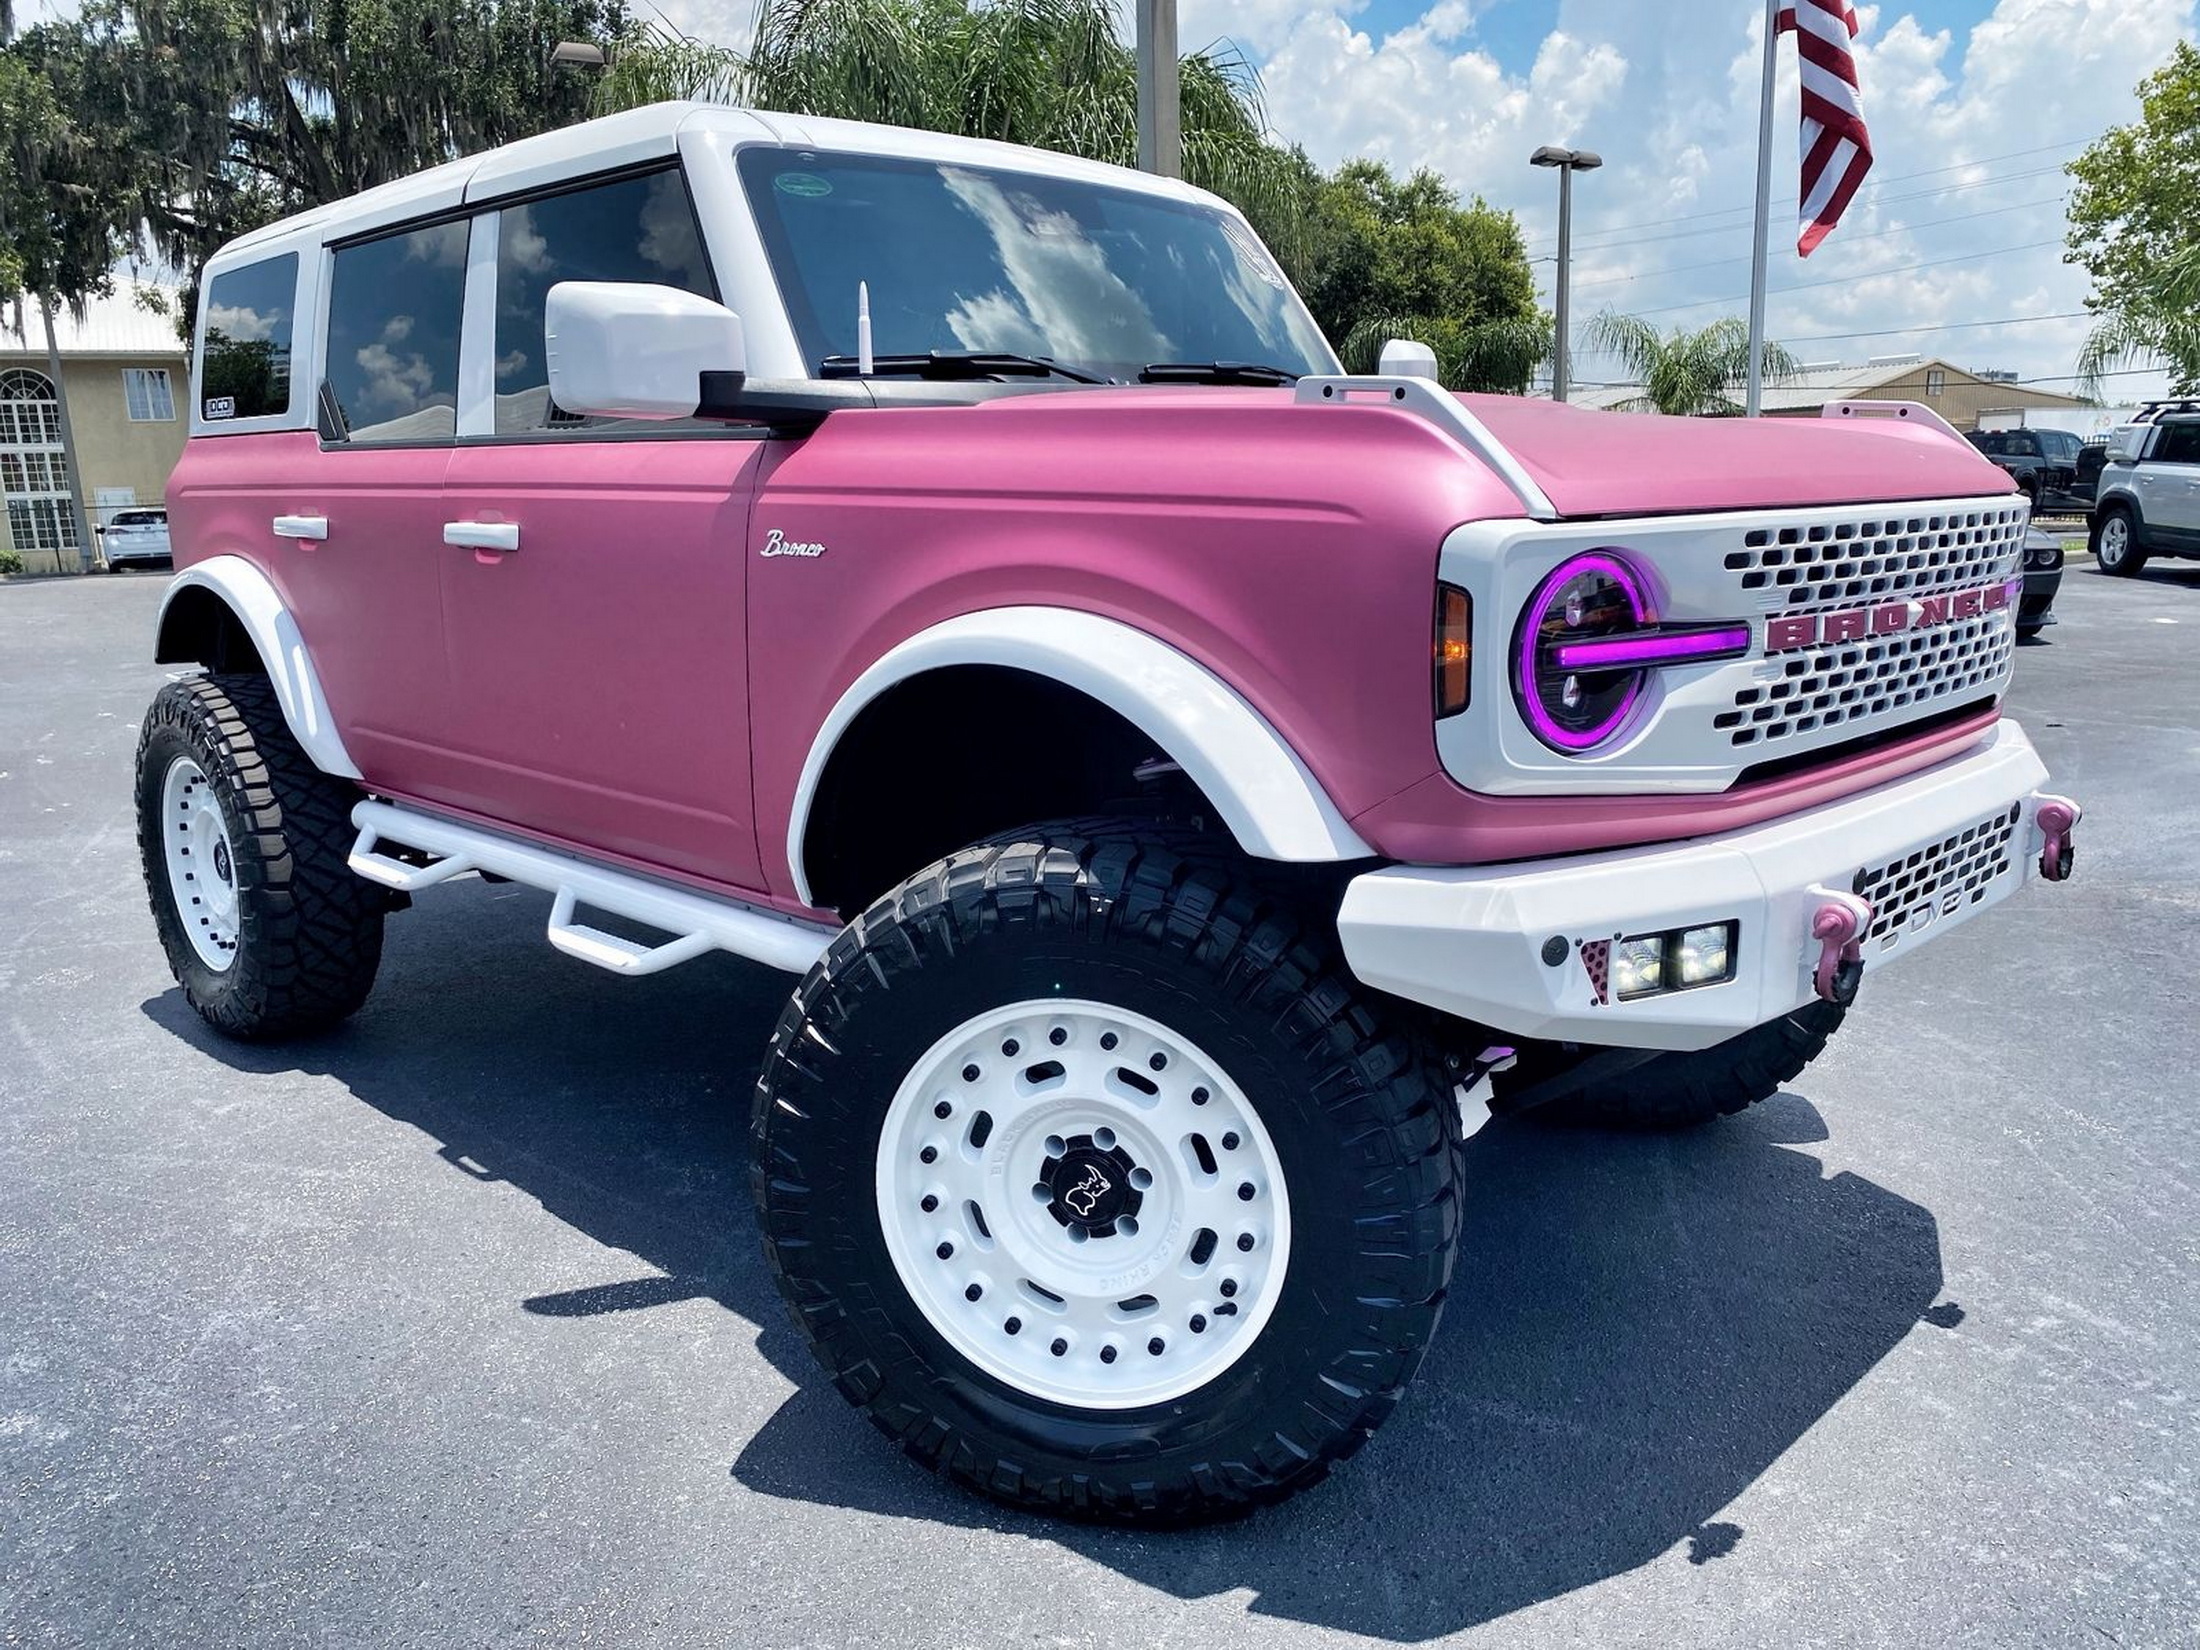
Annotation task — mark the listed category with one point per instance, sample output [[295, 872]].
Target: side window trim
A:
[[304, 345], [490, 246], [477, 329], [336, 434]]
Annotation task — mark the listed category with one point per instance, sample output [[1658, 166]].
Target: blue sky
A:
[[1954, 247]]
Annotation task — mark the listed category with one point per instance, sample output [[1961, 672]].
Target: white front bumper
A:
[[1473, 941]]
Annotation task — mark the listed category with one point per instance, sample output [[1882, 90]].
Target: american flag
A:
[[1837, 150]]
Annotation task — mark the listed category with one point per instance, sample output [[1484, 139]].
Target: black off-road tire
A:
[[1682, 1091], [1364, 1128], [309, 932], [2129, 561]]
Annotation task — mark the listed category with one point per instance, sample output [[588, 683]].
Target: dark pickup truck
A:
[[2042, 462]]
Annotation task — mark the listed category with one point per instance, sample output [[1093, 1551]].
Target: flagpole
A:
[[1757, 251]]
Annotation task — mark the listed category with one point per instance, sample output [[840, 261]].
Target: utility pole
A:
[[1160, 117], [1568, 162], [68, 444]]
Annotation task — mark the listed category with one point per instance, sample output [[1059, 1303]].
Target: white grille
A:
[[1809, 567], [1938, 882], [1827, 686], [1838, 563]]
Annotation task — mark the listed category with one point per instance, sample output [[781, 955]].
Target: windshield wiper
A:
[[1214, 372], [957, 365]]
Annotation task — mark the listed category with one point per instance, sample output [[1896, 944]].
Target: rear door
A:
[[592, 572], [361, 508]]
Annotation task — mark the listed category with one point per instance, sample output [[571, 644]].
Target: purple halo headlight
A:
[[1571, 704]]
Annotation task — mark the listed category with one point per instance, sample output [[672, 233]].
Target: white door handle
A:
[[301, 527], [482, 535]]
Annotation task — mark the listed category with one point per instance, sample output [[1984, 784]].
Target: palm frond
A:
[[1686, 372]]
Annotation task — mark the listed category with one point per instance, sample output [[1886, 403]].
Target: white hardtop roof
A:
[[638, 136]]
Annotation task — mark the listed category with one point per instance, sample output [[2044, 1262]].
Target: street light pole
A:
[[1568, 162], [1160, 119]]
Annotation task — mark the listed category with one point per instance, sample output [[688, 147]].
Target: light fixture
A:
[[1588, 640], [1454, 649], [1638, 966], [578, 54], [1680, 959]]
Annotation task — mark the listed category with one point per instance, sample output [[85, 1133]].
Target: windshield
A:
[[963, 258]]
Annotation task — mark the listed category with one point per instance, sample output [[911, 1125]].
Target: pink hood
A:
[[1635, 464], [1610, 464]]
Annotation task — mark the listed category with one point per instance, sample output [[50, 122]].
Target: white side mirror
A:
[[621, 349], [1403, 358]]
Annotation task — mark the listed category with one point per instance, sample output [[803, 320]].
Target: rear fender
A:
[[251, 597]]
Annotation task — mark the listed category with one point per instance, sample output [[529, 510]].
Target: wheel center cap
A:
[[221, 860], [1091, 1186]]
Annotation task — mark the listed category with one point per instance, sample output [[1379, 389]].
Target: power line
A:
[[2074, 377], [1881, 201], [1860, 275], [1875, 235], [1875, 184], [1943, 326]]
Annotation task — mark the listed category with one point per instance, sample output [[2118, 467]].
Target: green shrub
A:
[[10, 562]]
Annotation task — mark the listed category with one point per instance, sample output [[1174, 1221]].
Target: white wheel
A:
[[202, 864], [1083, 1204]]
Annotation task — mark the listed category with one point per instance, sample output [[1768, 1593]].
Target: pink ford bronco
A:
[[1181, 776]]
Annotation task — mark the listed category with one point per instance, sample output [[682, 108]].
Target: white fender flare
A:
[[252, 596], [1273, 805]]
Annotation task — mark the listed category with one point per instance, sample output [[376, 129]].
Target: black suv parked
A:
[[2044, 462]]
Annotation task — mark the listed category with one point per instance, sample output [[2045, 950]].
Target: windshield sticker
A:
[[220, 406], [806, 184]]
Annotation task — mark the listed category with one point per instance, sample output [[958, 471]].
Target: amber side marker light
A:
[[1454, 648]]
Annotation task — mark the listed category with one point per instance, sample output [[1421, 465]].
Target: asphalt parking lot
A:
[[451, 1328]]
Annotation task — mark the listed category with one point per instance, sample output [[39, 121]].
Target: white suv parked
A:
[[2148, 501], [135, 536]]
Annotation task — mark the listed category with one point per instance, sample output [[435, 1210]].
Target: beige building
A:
[[128, 382], [1961, 397]]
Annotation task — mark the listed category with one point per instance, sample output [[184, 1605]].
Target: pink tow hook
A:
[[2058, 818], [1839, 927]]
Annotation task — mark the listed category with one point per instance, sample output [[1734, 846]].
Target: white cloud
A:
[[1972, 128], [242, 321]]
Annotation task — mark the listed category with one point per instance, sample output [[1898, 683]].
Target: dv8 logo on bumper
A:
[[1785, 632]]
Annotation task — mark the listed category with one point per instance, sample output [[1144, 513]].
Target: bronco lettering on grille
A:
[[1784, 632]]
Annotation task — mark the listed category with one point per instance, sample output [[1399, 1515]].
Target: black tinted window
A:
[[1987, 441], [245, 348], [637, 229], [2178, 444], [960, 258], [2023, 446], [393, 313]]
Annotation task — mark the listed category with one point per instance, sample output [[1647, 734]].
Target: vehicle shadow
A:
[[1638, 1327]]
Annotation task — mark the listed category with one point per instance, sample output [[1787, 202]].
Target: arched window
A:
[[34, 471]]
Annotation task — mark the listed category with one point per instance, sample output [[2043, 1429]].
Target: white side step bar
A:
[[696, 922]]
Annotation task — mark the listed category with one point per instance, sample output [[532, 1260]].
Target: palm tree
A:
[[1054, 74], [1494, 357], [2168, 330], [1691, 373]]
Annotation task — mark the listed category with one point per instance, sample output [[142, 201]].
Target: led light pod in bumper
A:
[[1649, 965], [1638, 966], [1705, 955]]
